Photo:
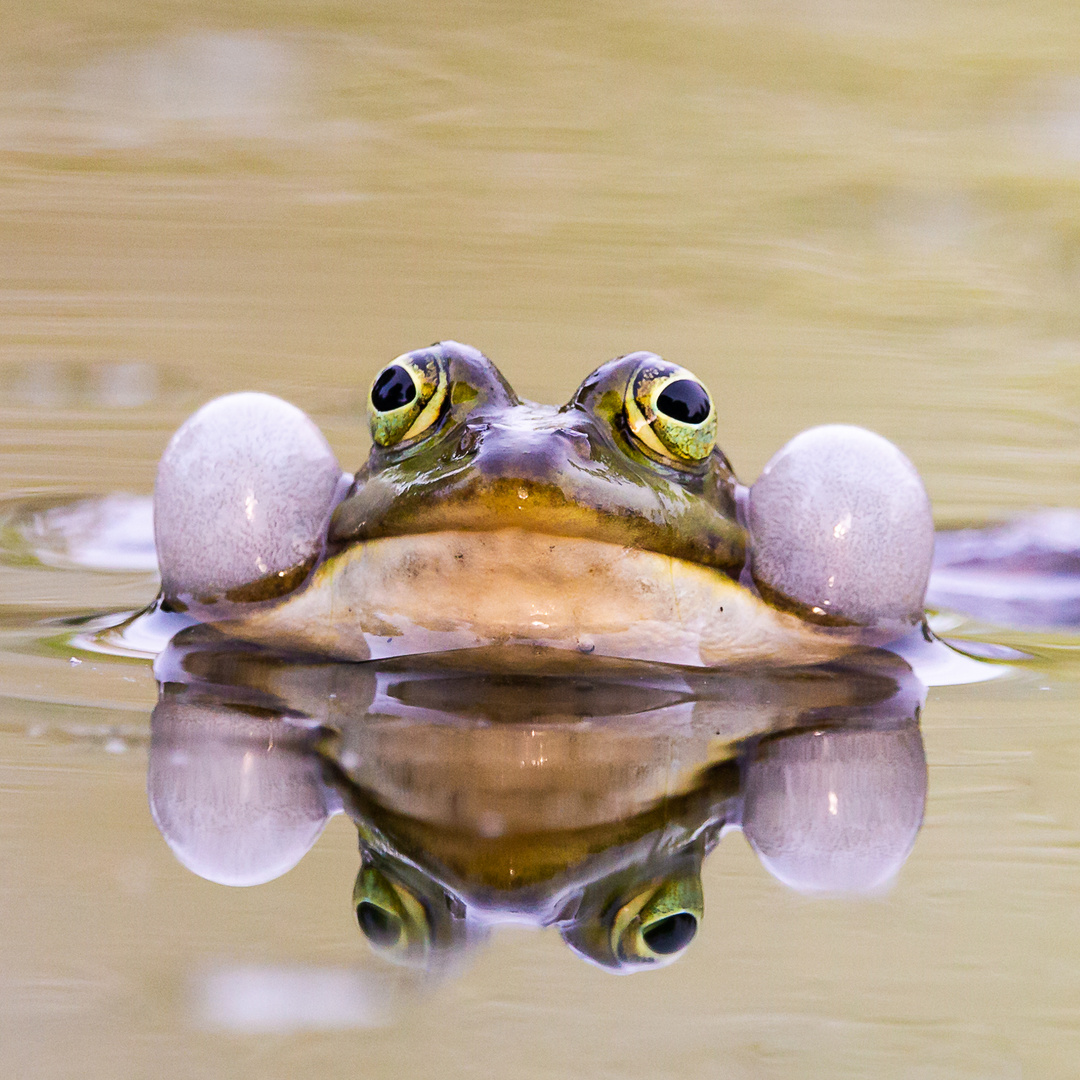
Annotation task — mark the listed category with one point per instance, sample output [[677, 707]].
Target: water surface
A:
[[830, 211]]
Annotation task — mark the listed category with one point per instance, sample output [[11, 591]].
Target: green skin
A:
[[583, 473], [603, 527]]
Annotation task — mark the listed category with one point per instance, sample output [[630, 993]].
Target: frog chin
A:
[[440, 591]]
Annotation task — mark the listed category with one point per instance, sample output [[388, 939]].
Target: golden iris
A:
[[390, 916], [407, 397], [659, 922], [671, 413]]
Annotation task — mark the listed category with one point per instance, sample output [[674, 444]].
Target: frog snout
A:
[[538, 457]]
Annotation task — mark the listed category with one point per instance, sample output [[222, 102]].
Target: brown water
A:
[[830, 211]]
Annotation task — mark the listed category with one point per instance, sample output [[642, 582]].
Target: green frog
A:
[[611, 526]]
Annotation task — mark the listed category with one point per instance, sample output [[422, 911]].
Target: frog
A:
[[611, 526]]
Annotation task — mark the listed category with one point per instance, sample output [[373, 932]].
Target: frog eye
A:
[[670, 413], [407, 397], [391, 917], [658, 923]]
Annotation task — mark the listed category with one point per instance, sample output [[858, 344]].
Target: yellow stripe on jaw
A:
[[434, 592]]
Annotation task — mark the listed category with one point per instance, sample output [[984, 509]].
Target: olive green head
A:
[[631, 459]]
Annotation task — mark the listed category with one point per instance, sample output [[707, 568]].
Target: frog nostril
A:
[[580, 444]]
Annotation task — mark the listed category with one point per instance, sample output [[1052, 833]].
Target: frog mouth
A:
[[432, 592], [692, 530]]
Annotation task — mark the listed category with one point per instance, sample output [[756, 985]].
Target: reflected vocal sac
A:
[[584, 802]]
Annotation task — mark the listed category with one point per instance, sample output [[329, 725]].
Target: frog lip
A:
[[691, 530]]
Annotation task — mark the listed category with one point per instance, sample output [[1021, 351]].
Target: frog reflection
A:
[[236, 791], [642, 916], [586, 803]]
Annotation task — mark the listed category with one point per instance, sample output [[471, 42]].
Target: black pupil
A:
[[379, 926], [671, 934], [393, 389], [684, 400]]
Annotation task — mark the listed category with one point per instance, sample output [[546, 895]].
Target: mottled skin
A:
[[607, 526]]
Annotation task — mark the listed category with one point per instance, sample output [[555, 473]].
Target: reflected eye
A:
[[407, 397], [659, 922], [671, 934], [381, 927], [671, 413], [391, 916]]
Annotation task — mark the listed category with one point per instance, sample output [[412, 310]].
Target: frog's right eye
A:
[[644, 924], [655, 926], [394, 389], [407, 397]]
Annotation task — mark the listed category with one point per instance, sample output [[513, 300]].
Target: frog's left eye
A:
[[656, 925], [406, 915], [407, 397], [391, 916], [671, 413]]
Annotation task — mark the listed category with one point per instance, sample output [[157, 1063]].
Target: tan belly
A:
[[435, 592]]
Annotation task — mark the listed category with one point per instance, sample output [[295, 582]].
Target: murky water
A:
[[831, 211]]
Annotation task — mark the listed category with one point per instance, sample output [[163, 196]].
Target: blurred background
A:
[[830, 210], [834, 210]]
